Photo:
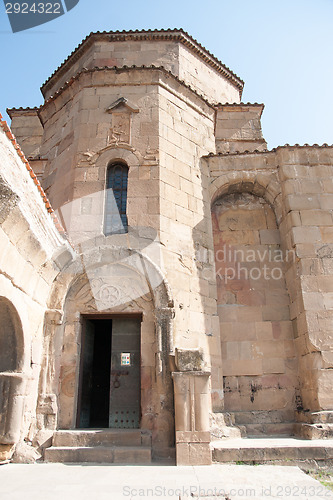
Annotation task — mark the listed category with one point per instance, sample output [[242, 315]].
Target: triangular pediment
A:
[[122, 104]]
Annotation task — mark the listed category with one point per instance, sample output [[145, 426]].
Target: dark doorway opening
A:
[[109, 388], [99, 413]]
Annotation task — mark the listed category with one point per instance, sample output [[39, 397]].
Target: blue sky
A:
[[281, 49]]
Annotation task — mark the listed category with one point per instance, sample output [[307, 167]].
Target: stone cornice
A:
[[274, 150], [121, 36], [22, 112], [122, 69], [241, 106]]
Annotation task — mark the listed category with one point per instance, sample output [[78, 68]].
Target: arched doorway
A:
[[123, 286]]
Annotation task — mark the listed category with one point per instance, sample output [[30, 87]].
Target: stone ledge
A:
[[192, 437]]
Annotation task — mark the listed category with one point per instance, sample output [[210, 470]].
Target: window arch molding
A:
[[112, 155]]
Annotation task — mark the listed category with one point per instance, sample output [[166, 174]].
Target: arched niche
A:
[[11, 338], [12, 378], [258, 354]]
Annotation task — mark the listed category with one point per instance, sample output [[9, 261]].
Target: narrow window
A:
[[116, 199]]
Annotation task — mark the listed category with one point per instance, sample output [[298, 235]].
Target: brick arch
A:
[[264, 185], [107, 255]]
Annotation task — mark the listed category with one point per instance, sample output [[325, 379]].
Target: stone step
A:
[[270, 429], [101, 437], [271, 449], [316, 417], [265, 423], [262, 416], [99, 454], [314, 431]]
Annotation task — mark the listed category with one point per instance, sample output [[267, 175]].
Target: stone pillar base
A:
[[192, 408], [6, 452], [193, 448]]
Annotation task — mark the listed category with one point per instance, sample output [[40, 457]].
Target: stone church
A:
[[166, 281]]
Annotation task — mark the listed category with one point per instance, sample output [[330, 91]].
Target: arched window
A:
[[116, 199]]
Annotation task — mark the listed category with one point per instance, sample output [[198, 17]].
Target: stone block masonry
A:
[[194, 257]]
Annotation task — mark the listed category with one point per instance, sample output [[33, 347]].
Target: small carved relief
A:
[[121, 128], [86, 159], [120, 131], [105, 293], [111, 286], [109, 292]]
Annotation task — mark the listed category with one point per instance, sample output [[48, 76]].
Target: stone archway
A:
[[137, 286]]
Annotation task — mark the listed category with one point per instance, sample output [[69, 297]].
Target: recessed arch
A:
[[11, 338], [259, 360], [263, 185]]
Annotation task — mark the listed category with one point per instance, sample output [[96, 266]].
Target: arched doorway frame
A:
[[163, 312]]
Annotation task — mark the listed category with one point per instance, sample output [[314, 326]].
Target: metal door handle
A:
[[116, 374]]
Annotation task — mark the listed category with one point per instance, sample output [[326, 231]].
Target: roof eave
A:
[[172, 34]]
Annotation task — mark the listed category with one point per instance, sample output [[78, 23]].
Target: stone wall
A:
[[28, 130], [296, 182], [29, 243], [238, 128], [306, 180], [186, 132]]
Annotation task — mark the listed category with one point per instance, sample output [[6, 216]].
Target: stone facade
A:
[[227, 259]]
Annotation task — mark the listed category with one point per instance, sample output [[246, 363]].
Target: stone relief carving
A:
[[89, 158], [112, 286], [121, 128], [121, 117]]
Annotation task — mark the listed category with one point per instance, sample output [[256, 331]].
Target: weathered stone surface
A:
[[189, 359], [25, 454], [6, 452], [270, 449]]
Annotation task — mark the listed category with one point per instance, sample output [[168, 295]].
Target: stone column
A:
[[12, 394], [192, 409]]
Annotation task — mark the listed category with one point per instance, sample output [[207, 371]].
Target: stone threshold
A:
[[268, 449]]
